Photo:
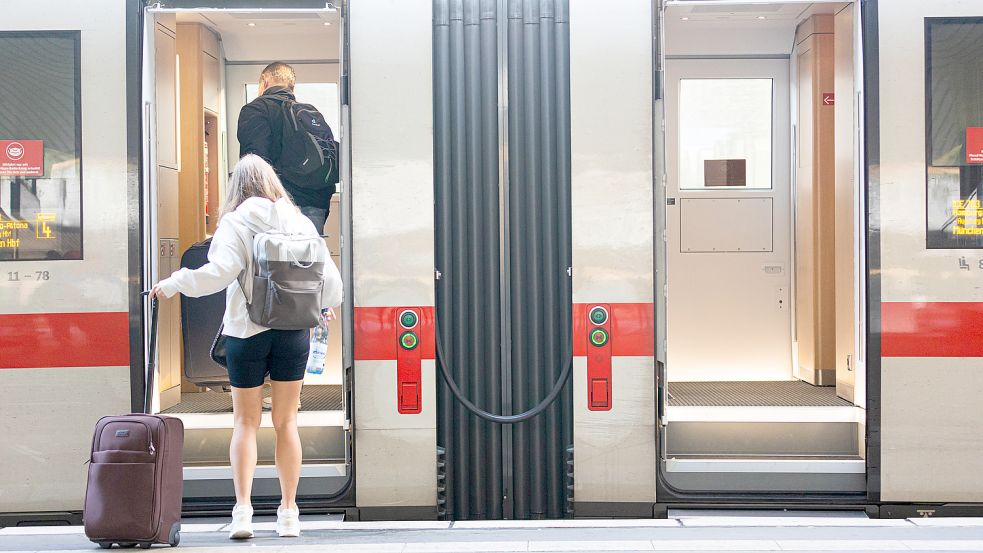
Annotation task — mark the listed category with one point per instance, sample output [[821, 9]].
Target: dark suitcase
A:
[[200, 321], [134, 491]]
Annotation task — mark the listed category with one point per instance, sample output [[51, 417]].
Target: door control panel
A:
[[599, 358], [408, 373]]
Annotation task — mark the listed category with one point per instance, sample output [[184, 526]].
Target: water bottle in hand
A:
[[319, 347]]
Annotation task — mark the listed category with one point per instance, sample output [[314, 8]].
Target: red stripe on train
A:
[[932, 329], [52, 340]]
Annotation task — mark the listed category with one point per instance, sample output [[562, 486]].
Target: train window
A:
[[725, 133], [40, 146], [954, 141]]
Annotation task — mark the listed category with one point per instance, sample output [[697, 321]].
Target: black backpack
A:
[[308, 151]]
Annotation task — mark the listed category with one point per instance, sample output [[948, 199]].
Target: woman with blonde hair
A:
[[257, 202]]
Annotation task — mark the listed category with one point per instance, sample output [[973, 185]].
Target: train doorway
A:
[[201, 66], [762, 387]]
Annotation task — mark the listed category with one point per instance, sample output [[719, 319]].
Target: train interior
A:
[[764, 356], [205, 67]]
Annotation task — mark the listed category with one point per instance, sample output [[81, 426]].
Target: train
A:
[[601, 259]]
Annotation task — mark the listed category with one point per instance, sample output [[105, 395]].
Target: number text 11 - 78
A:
[[18, 276]]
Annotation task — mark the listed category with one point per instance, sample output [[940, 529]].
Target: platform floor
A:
[[733, 531], [791, 393], [312, 398]]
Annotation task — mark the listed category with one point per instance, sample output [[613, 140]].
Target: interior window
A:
[[725, 128], [323, 96], [40, 147]]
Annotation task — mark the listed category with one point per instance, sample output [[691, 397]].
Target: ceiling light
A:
[[251, 24], [326, 23], [761, 17], [684, 18]]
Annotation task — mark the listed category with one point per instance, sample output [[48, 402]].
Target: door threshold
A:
[[849, 414], [777, 466], [323, 470]]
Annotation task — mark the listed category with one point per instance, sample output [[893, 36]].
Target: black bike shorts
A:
[[281, 354]]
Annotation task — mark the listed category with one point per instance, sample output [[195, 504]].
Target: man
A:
[[261, 124]]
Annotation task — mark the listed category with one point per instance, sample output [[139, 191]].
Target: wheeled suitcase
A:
[[134, 491], [200, 321]]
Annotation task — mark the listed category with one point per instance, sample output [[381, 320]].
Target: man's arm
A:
[[254, 133]]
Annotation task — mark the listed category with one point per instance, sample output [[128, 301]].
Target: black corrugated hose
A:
[[500, 419]]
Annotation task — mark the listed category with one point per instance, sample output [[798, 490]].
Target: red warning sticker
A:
[[974, 145], [21, 158]]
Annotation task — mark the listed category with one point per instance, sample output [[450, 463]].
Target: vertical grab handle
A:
[[151, 357]]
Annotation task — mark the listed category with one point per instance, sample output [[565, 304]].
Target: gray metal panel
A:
[[931, 429], [612, 205], [392, 238], [392, 152], [615, 458]]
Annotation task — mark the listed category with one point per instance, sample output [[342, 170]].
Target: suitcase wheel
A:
[[175, 538], [105, 544], [145, 545]]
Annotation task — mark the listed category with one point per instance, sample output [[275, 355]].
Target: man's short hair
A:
[[280, 73]]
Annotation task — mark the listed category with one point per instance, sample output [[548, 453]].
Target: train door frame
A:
[[141, 143], [868, 328]]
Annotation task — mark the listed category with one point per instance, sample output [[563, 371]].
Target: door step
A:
[[207, 437], [763, 432], [770, 466]]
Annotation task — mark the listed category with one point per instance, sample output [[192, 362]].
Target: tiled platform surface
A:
[[695, 531]]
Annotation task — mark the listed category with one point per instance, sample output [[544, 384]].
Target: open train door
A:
[[201, 61]]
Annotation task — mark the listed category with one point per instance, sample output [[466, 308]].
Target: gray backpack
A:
[[284, 280]]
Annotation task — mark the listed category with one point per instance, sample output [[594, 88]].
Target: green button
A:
[[408, 319], [598, 315], [598, 337], [408, 340]]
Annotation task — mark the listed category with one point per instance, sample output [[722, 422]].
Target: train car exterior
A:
[[505, 225]]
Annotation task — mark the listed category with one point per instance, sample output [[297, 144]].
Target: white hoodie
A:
[[230, 254]]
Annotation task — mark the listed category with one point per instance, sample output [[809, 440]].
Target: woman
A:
[[257, 202]]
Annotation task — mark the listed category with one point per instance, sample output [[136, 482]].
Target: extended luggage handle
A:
[[151, 355]]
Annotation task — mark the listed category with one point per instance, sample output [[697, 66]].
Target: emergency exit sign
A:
[[974, 145]]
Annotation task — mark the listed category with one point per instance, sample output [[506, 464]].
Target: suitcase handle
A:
[[151, 356]]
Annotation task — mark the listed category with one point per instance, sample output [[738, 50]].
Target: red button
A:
[[409, 396], [599, 393]]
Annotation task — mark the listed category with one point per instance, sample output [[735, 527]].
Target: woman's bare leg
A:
[[289, 454], [247, 409]]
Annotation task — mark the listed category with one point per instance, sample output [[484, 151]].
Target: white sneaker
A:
[[288, 523], [242, 523]]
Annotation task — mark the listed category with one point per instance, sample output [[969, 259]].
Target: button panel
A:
[[408, 360], [599, 358]]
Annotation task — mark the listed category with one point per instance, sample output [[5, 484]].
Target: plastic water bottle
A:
[[319, 347]]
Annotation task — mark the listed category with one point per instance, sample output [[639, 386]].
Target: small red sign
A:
[[974, 145], [829, 98], [21, 158]]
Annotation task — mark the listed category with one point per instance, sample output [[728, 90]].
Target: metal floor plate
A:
[[753, 394], [312, 398]]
